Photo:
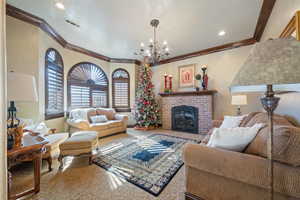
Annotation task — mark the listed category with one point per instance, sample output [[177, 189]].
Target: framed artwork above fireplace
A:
[[186, 75]]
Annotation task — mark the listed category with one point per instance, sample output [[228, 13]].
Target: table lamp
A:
[[20, 88], [273, 65], [239, 100]]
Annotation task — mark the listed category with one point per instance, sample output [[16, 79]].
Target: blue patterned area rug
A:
[[149, 162]]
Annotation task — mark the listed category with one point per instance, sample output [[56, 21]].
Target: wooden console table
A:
[[31, 150]]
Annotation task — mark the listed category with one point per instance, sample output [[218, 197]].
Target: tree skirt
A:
[[149, 162]]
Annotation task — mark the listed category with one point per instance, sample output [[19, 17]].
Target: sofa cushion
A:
[[262, 117], [286, 146], [99, 119], [80, 140], [114, 123], [109, 112], [99, 126], [248, 117], [91, 113]]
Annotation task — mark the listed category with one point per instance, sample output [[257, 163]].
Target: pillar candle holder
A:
[[170, 83]]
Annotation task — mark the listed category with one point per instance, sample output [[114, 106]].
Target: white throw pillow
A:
[[40, 128], [99, 119], [233, 139], [232, 121]]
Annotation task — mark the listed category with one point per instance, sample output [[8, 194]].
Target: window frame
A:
[[101, 87], [61, 114], [121, 108]]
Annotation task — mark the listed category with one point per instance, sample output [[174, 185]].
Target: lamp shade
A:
[[21, 87], [273, 62], [239, 100]]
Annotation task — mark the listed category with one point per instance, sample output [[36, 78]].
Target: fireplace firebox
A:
[[185, 118]]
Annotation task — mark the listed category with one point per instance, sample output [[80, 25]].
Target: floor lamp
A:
[[273, 65]]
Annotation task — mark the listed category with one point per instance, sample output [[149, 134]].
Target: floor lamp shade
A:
[[21, 88], [274, 62]]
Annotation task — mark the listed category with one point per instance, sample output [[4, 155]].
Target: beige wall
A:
[[27, 46], [222, 67], [22, 57], [3, 138]]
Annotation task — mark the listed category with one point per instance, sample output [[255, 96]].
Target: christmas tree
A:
[[146, 108]]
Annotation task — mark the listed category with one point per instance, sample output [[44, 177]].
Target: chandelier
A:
[[155, 52]]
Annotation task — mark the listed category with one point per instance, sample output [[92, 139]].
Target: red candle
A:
[[170, 82], [166, 75]]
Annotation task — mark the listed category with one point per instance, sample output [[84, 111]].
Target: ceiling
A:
[[115, 28]]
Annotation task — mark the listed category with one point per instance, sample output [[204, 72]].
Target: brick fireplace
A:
[[201, 101]]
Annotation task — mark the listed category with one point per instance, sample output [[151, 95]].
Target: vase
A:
[[204, 79]]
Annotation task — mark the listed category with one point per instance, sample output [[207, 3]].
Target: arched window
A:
[[54, 85], [87, 86], [120, 90]]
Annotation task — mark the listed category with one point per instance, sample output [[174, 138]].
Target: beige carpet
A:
[[80, 181]]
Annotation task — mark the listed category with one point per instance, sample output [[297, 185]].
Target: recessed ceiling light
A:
[[222, 33], [60, 5]]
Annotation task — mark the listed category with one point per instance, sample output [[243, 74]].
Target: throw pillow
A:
[[232, 121], [99, 119], [40, 128], [233, 139]]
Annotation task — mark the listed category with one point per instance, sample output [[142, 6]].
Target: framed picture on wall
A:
[[186, 76]]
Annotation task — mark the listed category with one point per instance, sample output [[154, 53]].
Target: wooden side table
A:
[[31, 149]]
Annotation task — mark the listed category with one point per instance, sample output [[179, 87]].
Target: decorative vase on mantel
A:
[[204, 78]]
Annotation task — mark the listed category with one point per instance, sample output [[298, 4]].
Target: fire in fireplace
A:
[[185, 118]]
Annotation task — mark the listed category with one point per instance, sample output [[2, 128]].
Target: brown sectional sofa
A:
[[217, 174]]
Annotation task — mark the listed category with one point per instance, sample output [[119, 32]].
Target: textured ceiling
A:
[[115, 28]]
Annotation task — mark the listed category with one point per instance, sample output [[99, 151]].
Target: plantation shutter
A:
[[54, 85], [120, 89], [87, 86]]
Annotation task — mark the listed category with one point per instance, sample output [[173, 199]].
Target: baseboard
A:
[[189, 196]]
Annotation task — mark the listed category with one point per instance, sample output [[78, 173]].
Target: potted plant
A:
[[198, 78]]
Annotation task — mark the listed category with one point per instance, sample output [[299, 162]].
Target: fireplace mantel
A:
[[189, 93]]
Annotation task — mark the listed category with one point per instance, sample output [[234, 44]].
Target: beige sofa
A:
[[80, 120], [217, 174]]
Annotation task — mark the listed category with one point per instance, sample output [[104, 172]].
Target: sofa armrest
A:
[[80, 124], [241, 167], [217, 123], [121, 117]]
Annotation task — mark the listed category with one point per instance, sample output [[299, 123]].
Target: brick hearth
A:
[[203, 100]]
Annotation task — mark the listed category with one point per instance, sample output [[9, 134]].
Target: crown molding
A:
[[224, 47], [124, 60], [265, 13]]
